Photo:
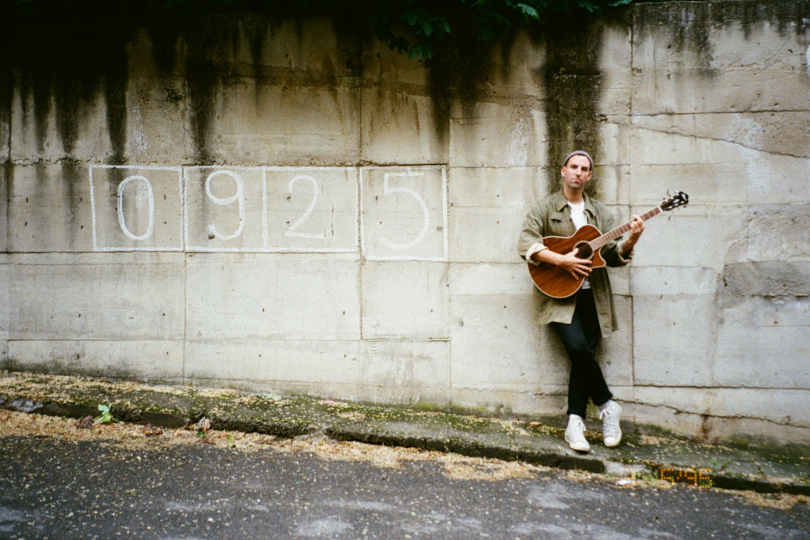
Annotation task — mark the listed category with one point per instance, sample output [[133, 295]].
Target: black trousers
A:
[[580, 339]]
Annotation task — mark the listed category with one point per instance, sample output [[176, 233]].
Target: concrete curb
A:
[[764, 470]]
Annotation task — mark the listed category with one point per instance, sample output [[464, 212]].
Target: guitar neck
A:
[[603, 240]]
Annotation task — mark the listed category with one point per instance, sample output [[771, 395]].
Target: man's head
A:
[[576, 171], [578, 153]]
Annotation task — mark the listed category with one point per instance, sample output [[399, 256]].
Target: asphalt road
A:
[[57, 489]]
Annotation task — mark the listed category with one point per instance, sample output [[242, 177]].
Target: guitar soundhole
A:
[[584, 250]]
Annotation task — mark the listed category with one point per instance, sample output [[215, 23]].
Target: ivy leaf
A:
[[420, 50], [385, 35], [500, 19], [528, 11], [487, 33], [410, 17]]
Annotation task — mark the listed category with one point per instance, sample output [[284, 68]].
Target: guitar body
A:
[[555, 282], [552, 280]]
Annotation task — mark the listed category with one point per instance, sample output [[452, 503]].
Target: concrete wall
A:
[[291, 206]]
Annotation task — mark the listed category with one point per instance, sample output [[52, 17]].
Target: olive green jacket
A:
[[552, 217]]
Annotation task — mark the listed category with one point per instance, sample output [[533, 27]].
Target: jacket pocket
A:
[[560, 224]]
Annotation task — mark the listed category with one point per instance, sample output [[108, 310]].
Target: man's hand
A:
[[636, 228], [578, 268]]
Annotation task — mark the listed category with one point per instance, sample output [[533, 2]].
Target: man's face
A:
[[576, 172]]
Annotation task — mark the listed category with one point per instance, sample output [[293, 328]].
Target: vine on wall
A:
[[414, 27]]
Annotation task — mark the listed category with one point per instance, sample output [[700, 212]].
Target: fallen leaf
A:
[[84, 423], [203, 425], [149, 430]]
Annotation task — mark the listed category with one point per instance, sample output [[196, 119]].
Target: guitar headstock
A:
[[679, 199]]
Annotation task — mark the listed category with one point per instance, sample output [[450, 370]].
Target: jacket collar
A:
[[560, 203]]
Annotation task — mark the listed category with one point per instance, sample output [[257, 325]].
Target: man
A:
[[581, 319]]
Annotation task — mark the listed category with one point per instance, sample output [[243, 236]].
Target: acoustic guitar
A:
[[558, 283]]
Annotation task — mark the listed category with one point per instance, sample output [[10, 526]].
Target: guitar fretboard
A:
[[603, 240]]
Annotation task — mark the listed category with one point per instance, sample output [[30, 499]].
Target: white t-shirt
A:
[[579, 218], [578, 214]]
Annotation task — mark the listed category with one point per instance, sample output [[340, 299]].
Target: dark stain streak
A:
[[439, 88], [202, 88], [6, 93], [257, 32], [689, 25], [458, 72], [573, 88], [164, 35], [65, 66]]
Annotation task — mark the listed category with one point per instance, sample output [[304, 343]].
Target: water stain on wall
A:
[[64, 67], [572, 80]]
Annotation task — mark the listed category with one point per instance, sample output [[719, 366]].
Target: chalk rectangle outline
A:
[[202, 249], [366, 256], [179, 170], [356, 247]]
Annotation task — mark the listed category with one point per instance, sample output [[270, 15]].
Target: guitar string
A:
[[597, 243]]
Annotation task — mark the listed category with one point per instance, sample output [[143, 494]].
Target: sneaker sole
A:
[[613, 445], [581, 449]]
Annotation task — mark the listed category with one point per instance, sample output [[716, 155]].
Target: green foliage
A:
[[415, 27], [431, 22], [106, 416]]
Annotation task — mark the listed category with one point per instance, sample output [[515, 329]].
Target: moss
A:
[[12, 365], [658, 431], [775, 449]]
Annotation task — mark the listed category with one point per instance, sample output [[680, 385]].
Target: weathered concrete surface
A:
[[401, 122], [4, 266], [289, 205], [4, 306], [263, 296], [99, 296], [719, 302], [644, 452], [49, 208]]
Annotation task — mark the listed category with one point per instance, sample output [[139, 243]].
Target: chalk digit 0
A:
[[150, 198]]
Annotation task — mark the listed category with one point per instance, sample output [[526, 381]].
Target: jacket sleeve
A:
[[610, 253], [530, 234]]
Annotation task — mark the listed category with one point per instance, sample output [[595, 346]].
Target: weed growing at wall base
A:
[[106, 416]]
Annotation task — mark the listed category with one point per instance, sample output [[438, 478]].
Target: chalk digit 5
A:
[[387, 189]]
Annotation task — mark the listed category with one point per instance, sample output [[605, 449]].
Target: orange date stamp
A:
[[686, 475]]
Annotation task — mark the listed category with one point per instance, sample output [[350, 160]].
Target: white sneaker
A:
[[610, 413], [575, 434]]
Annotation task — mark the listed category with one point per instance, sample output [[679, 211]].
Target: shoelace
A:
[[609, 423]]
